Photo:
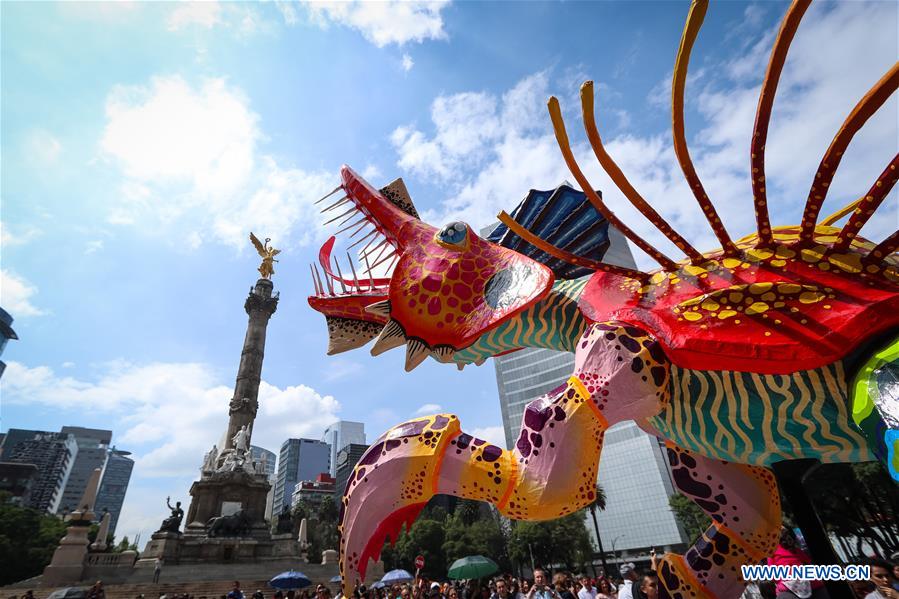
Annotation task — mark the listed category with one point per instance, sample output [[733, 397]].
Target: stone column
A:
[[260, 306]]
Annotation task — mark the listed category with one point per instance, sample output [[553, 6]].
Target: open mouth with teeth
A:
[[433, 290]]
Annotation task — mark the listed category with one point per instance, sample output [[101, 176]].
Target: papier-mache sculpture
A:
[[777, 346]]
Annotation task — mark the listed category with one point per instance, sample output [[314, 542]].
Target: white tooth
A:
[[330, 284], [371, 278], [360, 229], [361, 239], [336, 189], [381, 308], [314, 284], [339, 274], [350, 211], [460, 365], [339, 202], [416, 353], [384, 259], [392, 335], [320, 285], [353, 268]]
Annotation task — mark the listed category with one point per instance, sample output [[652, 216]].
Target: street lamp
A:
[[615, 540]]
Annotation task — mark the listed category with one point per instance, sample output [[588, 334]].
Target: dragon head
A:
[[443, 287]]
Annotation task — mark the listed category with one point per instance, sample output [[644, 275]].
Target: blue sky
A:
[[141, 142]]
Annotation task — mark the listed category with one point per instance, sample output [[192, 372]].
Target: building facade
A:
[[312, 492], [268, 459], [114, 485], [339, 435], [347, 458], [93, 448], [633, 468], [6, 333], [299, 460], [53, 454]]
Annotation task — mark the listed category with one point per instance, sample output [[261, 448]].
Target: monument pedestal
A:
[[67, 564], [225, 494], [163, 545]]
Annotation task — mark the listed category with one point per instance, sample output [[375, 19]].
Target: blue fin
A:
[[563, 217]]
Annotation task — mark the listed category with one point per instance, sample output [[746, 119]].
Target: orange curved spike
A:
[[788, 28], [691, 30], [866, 107], [839, 214], [561, 254], [623, 184], [884, 248], [868, 205], [555, 114]]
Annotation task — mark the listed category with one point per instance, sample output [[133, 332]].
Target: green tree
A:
[[690, 515], [484, 536], [598, 504], [561, 542], [28, 539]]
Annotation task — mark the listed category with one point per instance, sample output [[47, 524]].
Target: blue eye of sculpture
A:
[[454, 233]]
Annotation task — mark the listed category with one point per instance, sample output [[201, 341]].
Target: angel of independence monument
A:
[[226, 518]]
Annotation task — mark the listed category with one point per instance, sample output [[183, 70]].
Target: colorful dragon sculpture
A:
[[778, 346]]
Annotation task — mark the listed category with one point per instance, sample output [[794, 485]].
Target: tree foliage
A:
[[690, 515], [321, 524], [28, 539], [560, 542]]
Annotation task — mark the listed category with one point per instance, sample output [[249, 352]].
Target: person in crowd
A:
[[788, 553], [605, 590], [562, 586], [540, 588], [278, 595], [502, 590], [587, 590], [96, 591], [258, 594], [647, 586], [157, 570], [629, 574], [405, 592], [236, 593], [525, 586], [882, 577]]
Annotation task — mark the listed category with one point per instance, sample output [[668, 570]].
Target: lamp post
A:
[[615, 540]]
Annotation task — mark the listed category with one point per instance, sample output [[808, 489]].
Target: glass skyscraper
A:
[[633, 468], [300, 459], [339, 435], [93, 447], [114, 485]]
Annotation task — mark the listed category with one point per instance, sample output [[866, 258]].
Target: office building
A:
[[339, 435], [114, 485], [268, 461], [18, 480], [53, 454], [633, 469], [6, 333], [312, 492], [299, 460], [347, 458], [93, 447]]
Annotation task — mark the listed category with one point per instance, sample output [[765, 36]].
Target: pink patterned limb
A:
[[744, 506], [551, 471]]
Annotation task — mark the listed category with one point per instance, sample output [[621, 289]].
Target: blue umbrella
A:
[[336, 578], [378, 585], [289, 580], [397, 576]]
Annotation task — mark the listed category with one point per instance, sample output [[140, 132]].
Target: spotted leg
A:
[[549, 473], [744, 506]]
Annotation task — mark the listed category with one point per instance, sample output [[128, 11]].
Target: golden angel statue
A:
[[268, 253]]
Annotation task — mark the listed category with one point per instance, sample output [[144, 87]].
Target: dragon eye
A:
[[454, 233]]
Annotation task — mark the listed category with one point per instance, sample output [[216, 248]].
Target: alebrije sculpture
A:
[[781, 345]]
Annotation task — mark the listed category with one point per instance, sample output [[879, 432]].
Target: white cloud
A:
[[202, 14], [168, 415], [287, 10], [42, 146], [18, 235], [93, 246], [408, 63], [341, 368], [191, 167], [488, 150], [15, 295], [493, 434], [382, 23], [429, 408]]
